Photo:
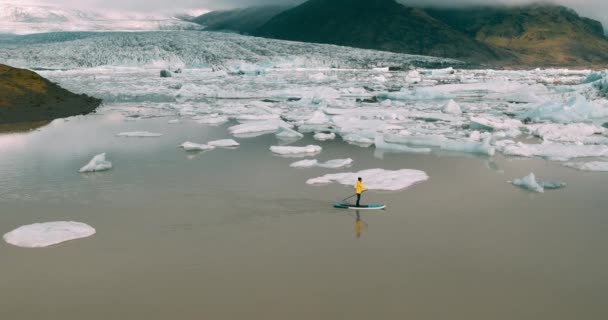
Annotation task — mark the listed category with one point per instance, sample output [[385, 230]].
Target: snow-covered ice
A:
[[600, 166], [320, 136], [98, 163], [224, 143], [287, 150], [139, 134], [383, 145], [331, 164], [40, 235], [191, 146], [375, 179]]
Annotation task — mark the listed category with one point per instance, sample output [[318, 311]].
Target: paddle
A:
[[354, 195]]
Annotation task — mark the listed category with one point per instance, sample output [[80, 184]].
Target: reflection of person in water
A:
[[360, 225]]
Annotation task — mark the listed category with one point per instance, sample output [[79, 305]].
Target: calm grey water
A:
[[237, 234]]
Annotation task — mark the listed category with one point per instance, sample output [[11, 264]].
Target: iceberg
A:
[[331, 164], [139, 134], [320, 136], [375, 179], [98, 163], [311, 149], [41, 235], [225, 143], [192, 147], [600, 166]]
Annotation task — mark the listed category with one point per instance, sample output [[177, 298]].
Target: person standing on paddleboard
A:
[[359, 190]]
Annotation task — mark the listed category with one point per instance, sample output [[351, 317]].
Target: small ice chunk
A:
[[40, 235], [331, 164], [529, 183], [451, 108], [311, 149], [601, 166], [174, 121], [191, 146], [320, 136], [225, 143], [375, 179], [98, 163], [139, 134]]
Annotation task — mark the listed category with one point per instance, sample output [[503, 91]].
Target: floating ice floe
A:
[[311, 149], [551, 151], [574, 109], [174, 121], [575, 132], [375, 179], [139, 134], [331, 164], [482, 147], [191, 147], [287, 134], [491, 123], [320, 136], [211, 119], [98, 163], [381, 144], [256, 128], [40, 235], [530, 183], [225, 143], [600, 166], [451, 107]]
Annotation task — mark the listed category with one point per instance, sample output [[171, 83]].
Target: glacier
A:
[[21, 18], [298, 91]]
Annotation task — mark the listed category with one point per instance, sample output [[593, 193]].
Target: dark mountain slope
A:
[[244, 21], [380, 24]]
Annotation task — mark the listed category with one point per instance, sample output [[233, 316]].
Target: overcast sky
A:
[[597, 9]]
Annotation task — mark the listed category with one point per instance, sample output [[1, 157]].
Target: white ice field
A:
[[293, 89]]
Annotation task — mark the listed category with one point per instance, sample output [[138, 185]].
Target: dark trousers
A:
[[358, 199]]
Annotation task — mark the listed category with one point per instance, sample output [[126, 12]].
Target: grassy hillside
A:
[[26, 97], [540, 35]]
